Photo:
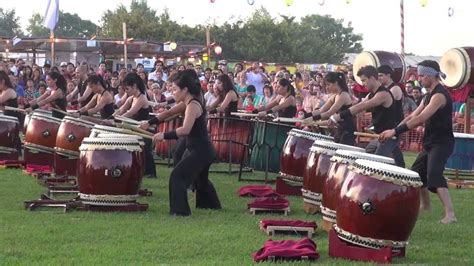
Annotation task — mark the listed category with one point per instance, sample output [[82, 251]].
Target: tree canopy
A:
[[9, 23], [69, 25]]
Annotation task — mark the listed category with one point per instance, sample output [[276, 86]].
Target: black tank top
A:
[[346, 125], [82, 88], [61, 104], [399, 116], [107, 111], [198, 138], [12, 102], [439, 127], [142, 114], [288, 112], [383, 118], [231, 108]]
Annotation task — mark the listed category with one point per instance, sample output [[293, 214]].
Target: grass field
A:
[[225, 237]]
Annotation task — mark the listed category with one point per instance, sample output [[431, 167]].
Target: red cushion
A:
[[293, 223], [287, 250], [257, 191], [270, 203]]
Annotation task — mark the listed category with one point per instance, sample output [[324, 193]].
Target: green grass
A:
[[207, 237]]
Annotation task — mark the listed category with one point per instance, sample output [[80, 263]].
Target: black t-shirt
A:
[[439, 127], [383, 118]]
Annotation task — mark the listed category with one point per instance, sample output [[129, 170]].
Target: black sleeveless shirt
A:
[[82, 88], [61, 104], [198, 138], [142, 114], [108, 109], [288, 112], [13, 102], [439, 127], [383, 118], [399, 116], [346, 125], [231, 108]]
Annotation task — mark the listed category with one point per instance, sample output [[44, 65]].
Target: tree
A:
[[9, 23], [69, 25]]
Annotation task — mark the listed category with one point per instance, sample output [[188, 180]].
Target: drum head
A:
[[330, 148], [349, 156], [387, 173], [91, 144], [463, 136], [7, 118], [363, 59], [310, 135], [456, 64]]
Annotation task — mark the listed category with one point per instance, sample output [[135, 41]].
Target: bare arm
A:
[[229, 97], [339, 102], [327, 105], [72, 94], [418, 111], [177, 109], [271, 104], [104, 100], [42, 97], [126, 105], [90, 104], [86, 94], [193, 111], [378, 99], [214, 104], [56, 95], [7, 95], [437, 101], [136, 106], [286, 103]]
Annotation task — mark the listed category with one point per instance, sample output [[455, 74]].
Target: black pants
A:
[[150, 168], [193, 168], [430, 165]]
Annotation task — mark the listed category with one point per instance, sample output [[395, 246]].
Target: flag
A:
[[52, 15]]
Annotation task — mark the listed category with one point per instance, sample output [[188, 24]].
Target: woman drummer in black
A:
[[138, 108], [339, 101], [56, 96], [8, 96], [193, 168], [102, 102], [228, 98], [284, 103]]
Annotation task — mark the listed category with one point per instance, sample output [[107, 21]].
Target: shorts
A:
[[430, 165]]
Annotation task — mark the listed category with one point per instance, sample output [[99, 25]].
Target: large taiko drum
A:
[[295, 153], [9, 139], [462, 157], [380, 58], [109, 171], [164, 148], [229, 136], [140, 140], [71, 132], [42, 132], [316, 172], [458, 65], [266, 145], [27, 119], [338, 170], [378, 205], [98, 129]]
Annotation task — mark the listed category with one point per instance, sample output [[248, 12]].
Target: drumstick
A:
[[298, 120], [125, 119], [369, 135], [9, 108], [60, 111], [137, 131], [172, 117], [244, 114]]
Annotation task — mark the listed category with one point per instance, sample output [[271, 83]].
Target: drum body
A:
[[164, 148], [42, 132], [109, 171], [458, 65], [380, 58], [141, 143], [317, 170], [229, 136], [338, 171], [462, 157], [9, 132], [71, 132], [378, 205], [295, 153], [27, 119], [267, 143]]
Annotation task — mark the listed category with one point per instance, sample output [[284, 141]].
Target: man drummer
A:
[[380, 103], [438, 139]]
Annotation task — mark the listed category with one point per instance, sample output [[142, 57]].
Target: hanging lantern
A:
[[173, 46], [162, 59], [178, 59], [212, 1], [348, 1], [321, 2], [218, 50], [191, 59], [423, 3], [205, 57], [251, 2], [450, 12], [288, 2]]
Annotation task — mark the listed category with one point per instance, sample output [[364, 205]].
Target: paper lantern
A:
[[321, 2], [218, 50], [450, 12], [288, 2], [173, 45], [205, 57], [423, 3], [251, 2]]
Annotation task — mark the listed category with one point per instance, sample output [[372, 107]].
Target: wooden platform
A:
[[272, 230], [254, 211], [461, 183]]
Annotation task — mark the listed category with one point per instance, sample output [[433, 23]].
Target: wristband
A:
[[170, 101], [84, 112], [213, 111], [269, 111], [401, 129], [34, 106], [307, 115], [254, 111], [317, 117], [27, 105], [170, 135], [153, 121]]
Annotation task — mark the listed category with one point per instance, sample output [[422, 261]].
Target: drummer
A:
[[438, 139], [380, 103], [56, 96], [228, 99], [102, 102], [138, 108], [84, 92], [284, 103], [339, 101], [193, 168], [8, 95]]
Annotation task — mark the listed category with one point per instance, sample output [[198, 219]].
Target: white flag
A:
[[52, 14]]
